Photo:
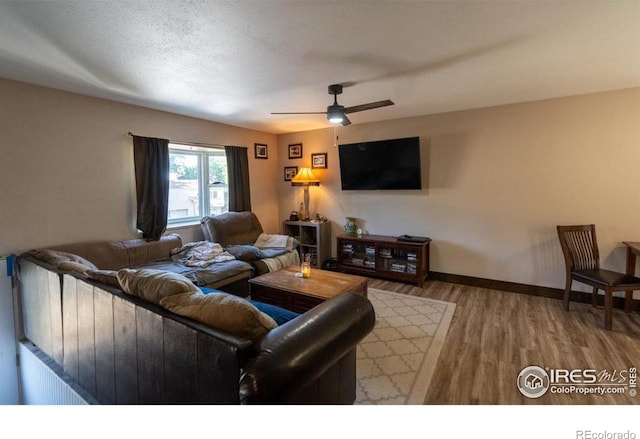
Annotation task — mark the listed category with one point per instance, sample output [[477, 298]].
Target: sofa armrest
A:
[[293, 355]]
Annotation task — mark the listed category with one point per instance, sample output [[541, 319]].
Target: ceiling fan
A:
[[337, 113]]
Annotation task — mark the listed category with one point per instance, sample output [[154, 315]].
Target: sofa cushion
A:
[[231, 228], [223, 311], [216, 274], [115, 255], [107, 277], [154, 285], [64, 261], [141, 251]]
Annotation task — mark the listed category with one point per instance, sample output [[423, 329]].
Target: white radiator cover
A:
[[41, 385]]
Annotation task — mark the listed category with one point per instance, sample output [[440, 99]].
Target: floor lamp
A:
[[305, 178]]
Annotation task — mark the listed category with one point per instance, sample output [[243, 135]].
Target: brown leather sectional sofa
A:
[[117, 348]]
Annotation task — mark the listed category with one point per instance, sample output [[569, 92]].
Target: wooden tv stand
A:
[[385, 257]]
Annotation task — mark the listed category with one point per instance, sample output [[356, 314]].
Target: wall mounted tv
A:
[[381, 165]]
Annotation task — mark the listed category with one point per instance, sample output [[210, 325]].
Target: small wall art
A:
[[295, 151], [261, 150], [319, 160], [290, 172]]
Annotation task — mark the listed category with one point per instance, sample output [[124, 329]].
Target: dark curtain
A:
[[238, 173], [151, 161]]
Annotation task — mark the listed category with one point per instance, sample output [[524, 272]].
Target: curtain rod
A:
[[192, 143]]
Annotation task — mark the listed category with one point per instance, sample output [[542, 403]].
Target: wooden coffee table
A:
[[282, 288]]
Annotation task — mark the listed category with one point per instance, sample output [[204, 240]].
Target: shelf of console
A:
[[384, 257], [314, 238]]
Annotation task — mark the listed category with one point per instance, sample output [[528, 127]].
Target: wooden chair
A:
[[582, 263]]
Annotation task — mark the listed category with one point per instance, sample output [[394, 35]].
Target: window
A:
[[198, 184]]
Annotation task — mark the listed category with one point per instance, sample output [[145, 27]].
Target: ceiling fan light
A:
[[335, 115]]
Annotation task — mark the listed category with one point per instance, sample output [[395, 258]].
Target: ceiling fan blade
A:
[[304, 112], [369, 106], [345, 121]]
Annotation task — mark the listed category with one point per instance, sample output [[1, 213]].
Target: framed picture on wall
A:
[[261, 150], [290, 172], [319, 160], [295, 151]]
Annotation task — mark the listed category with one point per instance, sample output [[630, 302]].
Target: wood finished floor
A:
[[495, 334]]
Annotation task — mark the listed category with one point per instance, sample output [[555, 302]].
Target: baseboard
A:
[[531, 290]]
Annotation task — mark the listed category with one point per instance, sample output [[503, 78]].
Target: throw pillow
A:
[[223, 311], [154, 285], [246, 253]]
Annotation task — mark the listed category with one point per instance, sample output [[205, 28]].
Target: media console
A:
[[385, 257]]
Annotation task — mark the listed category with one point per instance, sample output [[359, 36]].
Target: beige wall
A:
[[66, 165], [496, 182]]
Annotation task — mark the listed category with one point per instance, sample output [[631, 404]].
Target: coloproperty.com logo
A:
[[534, 381]]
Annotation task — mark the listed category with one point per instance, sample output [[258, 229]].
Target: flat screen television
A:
[[381, 165]]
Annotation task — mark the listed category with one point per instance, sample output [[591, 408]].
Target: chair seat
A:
[[607, 278]]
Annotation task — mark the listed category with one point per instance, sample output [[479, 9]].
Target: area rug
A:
[[395, 362]]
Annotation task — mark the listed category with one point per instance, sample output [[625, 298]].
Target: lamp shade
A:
[[305, 177]]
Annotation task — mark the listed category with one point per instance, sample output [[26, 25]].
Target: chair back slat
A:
[[579, 247]]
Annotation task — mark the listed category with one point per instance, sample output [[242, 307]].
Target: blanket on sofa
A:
[[201, 254], [266, 241], [281, 261]]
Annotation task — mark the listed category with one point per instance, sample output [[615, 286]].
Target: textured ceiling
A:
[[236, 62]]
